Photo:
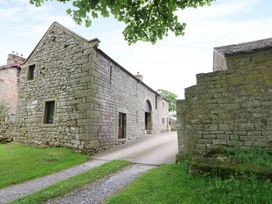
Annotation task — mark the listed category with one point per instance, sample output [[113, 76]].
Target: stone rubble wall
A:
[[229, 108], [72, 72], [119, 92], [7, 132], [62, 73]]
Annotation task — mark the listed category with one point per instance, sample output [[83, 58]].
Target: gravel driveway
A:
[[97, 192]]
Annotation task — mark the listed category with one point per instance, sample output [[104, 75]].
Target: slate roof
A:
[[247, 47]]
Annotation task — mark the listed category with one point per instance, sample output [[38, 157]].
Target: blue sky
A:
[[171, 63]]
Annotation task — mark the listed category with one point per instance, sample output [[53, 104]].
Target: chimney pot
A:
[[139, 76]]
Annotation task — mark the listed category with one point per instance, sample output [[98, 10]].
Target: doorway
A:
[[122, 124], [148, 117]]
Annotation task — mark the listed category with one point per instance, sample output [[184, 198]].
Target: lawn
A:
[[20, 162], [174, 184], [72, 183]]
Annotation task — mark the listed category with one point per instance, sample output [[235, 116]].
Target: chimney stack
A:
[[139, 76], [15, 58]]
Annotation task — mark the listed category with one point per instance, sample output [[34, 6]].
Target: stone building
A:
[[73, 94], [9, 78], [223, 57], [232, 105]]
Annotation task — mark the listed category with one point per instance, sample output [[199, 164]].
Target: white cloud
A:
[[219, 9]]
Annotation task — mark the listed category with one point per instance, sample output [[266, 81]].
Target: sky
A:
[[171, 63]]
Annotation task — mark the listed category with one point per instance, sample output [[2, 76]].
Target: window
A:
[[31, 72], [49, 112], [110, 73], [156, 102], [162, 104], [163, 121]]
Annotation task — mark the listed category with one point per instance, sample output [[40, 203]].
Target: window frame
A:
[[45, 112], [31, 74]]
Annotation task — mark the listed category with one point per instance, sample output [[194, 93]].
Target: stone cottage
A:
[[232, 105], [9, 80], [73, 94]]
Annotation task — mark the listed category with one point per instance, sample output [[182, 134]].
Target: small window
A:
[[31, 72], [163, 121], [110, 74], [49, 112], [156, 102]]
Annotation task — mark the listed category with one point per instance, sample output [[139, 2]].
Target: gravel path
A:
[[17, 191], [98, 191]]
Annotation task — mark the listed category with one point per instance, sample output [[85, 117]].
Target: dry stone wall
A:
[[229, 108]]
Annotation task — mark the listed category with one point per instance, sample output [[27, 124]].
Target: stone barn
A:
[[73, 94], [232, 105]]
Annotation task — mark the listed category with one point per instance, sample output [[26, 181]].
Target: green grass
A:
[[72, 183], [256, 156], [173, 183], [20, 162]]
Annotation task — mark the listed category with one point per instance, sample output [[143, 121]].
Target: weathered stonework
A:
[[89, 89], [229, 108]]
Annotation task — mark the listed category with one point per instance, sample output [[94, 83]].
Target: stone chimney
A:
[[139, 76], [14, 58]]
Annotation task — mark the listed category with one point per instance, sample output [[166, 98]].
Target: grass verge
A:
[[174, 184], [72, 183], [20, 162], [234, 161]]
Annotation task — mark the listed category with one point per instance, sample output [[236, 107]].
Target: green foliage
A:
[[170, 97], [173, 183], [3, 112], [19, 162], [72, 183], [146, 20]]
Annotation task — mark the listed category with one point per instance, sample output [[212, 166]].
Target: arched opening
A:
[[148, 117]]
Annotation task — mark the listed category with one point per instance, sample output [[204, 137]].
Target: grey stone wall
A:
[[88, 96], [62, 73], [118, 92], [219, 61], [229, 108]]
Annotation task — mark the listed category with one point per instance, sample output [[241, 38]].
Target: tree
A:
[[170, 97], [146, 20]]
